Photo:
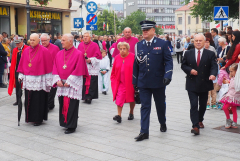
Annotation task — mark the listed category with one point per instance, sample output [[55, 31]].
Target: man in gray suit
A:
[[58, 42]]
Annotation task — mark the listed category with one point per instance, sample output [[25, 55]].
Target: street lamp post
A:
[[81, 6], [28, 19]]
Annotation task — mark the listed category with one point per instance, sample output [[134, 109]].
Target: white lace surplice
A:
[[93, 68], [36, 83], [75, 89]]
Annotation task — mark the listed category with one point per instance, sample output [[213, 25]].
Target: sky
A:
[[105, 1]]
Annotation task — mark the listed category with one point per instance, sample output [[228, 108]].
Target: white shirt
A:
[[150, 41], [196, 53]]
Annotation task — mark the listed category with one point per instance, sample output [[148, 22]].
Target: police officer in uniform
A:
[[152, 72]]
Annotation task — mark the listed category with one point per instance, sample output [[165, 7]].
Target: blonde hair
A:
[[123, 43], [234, 66]]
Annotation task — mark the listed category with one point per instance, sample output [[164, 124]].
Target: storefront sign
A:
[[167, 27], [45, 15], [4, 11]]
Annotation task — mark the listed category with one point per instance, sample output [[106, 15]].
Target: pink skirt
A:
[[230, 100], [121, 95]]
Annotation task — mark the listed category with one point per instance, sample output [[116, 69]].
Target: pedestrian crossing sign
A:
[[221, 13]]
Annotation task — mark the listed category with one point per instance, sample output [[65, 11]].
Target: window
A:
[[179, 20], [197, 20], [189, 19]]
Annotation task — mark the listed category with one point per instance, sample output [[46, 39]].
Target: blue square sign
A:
[[221, 13], [78, 22], [91, 27]]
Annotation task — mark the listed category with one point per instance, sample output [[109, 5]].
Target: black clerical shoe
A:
[[37, 123], [163, 128], [105, 93], [15, 104], [70, 130], [117, 118], [130, 117], [142, 136], [89, 101], [3, 86], [51, 108]]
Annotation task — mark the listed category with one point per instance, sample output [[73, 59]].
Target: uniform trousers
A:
[[197, 115], [146, 101]]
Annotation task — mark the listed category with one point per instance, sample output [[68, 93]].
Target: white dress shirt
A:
[[150, 41], [196, 53]]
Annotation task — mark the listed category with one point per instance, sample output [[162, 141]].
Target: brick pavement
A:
[[98, 137]]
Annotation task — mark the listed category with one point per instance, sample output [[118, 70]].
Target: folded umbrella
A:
[[19, 105]]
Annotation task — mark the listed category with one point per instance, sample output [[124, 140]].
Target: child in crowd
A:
[[231, 100], [222, 86], [103, 76]]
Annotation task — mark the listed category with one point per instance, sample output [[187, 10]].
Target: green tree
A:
[[133, 21], [108, 18], [159, 31], [204, 8]]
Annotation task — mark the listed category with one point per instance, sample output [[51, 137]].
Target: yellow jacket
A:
[[7, 49]]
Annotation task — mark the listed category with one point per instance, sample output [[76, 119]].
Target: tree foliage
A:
[[204, 8], [133, 21], [108, 18]]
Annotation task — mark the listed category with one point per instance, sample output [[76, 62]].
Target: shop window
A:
[[4, 20]]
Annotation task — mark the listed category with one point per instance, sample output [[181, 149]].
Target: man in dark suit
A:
[[201, 68], [58, 42], [152, 72], [108, 45], [3, 61]]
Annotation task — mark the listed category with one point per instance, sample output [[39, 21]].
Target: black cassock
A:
[[93, 89], [36, 106], [72, 115]]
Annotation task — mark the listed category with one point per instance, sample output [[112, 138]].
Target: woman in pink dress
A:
[[121, 80]]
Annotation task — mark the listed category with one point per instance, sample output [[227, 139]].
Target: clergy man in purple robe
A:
[[93, 56], [52, 52], [68, 72]]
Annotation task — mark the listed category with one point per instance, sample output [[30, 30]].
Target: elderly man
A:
[[132, 41], [35, 71], [52, 50], [201, 68], [3, 61], [93, 56], [152, 72], [16, 57], [68, 71]]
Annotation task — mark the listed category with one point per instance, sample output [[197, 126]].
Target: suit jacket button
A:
[[148, 53], [148, 64], [189, 64], [202, 72], [148, 58], [205, 65], [202, 79], [148, 69]]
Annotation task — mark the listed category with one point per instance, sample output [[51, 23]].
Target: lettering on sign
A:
[[4, 11], [45, 15]]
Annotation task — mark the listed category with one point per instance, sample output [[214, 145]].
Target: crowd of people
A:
[[78, 67]]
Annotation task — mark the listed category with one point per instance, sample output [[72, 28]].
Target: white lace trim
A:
[[93, 68], [75, 89], [36, 83], [56, 78]]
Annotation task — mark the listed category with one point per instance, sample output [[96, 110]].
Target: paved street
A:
[[98, 137]]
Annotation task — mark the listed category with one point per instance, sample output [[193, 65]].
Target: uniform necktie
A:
[[198, 58], [149, 44]]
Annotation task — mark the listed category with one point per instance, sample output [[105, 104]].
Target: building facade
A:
[[54, 18], [186, 24], [161, 11]]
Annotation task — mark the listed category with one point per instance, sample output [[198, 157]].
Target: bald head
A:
[[67, 41], [127, 32], [34, 40]]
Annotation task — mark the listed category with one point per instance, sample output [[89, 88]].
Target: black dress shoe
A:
[[117, 118], [105, 93], [163, 128], [130, 117], [89, 101], [37, 124], [70, 130], [51, 108], [15, 104], [3, 86], [142, 136]]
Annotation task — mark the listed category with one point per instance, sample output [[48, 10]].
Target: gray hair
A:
[[123, 44], [45, 35], [87, 33], [70, 37], [200, 35], [4, 40], [222, 39]]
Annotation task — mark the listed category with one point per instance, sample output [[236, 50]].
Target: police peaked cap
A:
[[147, 24]]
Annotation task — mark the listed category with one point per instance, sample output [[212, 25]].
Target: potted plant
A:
[[42, 2]]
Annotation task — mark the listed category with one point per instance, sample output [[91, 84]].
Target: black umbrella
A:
[[19, 104]]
